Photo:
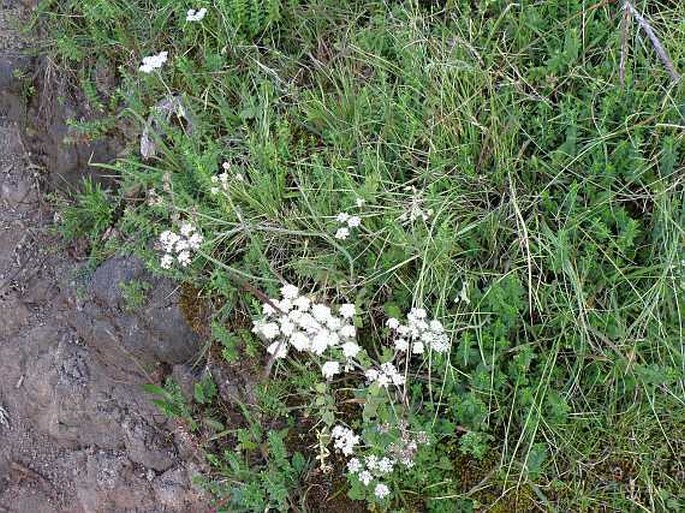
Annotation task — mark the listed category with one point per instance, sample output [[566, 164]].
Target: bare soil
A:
[[77, 432]]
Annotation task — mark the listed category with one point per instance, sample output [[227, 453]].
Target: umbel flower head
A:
[[297, 322], [153, 62], [195, 15], [419, 334], [179, 246]]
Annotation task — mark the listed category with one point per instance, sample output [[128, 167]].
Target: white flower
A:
[[463, 294], [386, 375], [268, 310], [401, 344], [354, 221], [354, 465], [181, 245], [300, 341], [347, 310], [381, 491], [371, 374], [226, 166], [321, 312], [278, 349], [320, 342], [344, 439], [167, 261], [436, 326], [348, 331], [365, 477], [195, 241], [392, 323], [342, 217], [302, 302], [417, 313], [333, 323], [383, 380], [153, 62], [342, 233], [350, 349], [290, 291], [168, 239], [417, 347], [360, 202], [196, 15], [269, 330], [397, 379], [184, 258], [385, 465], [371, 462], [287, 327], [330, 369], [187, 229]]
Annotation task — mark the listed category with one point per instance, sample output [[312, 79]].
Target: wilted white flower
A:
[[342, 233], [347, 310], [196, 15], [153, 62], [381, 491], [330, 369]]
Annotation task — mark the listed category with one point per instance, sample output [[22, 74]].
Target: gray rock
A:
[[156, 332]]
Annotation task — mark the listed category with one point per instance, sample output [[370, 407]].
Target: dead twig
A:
[[625, 23], [658, 47]]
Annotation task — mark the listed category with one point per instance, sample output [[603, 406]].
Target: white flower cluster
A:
[[153, 62], [344, 440], [221, 181], [182, 245], [348, 222], [370, 469], [194, 15], [415, 209], [419, 334], [386, 374], [296, 321]]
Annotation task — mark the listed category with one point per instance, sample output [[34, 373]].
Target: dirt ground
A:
[[77, 432]]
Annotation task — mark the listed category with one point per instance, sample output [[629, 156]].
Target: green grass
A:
[[557, 208]]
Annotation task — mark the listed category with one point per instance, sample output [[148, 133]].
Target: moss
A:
[[195, 309]]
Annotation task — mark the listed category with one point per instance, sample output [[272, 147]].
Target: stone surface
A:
[[77, 432]]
